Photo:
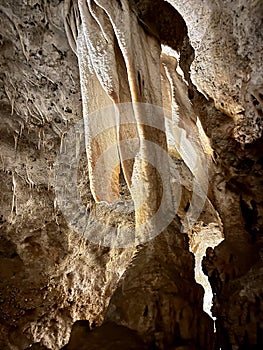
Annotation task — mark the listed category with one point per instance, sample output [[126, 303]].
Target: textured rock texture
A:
[[227, 40], [50, 276], [159, 298]]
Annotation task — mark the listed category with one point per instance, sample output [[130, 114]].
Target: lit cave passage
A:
[[131, 172]]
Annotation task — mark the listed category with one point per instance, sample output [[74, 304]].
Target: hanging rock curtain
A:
[[119, 62]]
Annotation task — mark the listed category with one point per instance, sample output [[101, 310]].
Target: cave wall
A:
[[49, 275], [227, 40]]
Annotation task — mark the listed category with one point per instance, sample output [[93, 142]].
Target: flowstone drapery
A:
[[98, 33], [50, 275], [110, 43]]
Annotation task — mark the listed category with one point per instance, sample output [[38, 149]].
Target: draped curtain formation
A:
[[119, 62]]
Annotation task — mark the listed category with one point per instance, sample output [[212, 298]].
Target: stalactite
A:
[[109, 42], [14, 197], [96, 52]]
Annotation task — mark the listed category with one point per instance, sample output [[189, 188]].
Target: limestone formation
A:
[[60, 62]]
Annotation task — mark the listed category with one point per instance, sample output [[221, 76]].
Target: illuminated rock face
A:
[[50, 276], [227, 40]]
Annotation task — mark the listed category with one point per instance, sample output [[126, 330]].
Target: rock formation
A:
[[61, 62]]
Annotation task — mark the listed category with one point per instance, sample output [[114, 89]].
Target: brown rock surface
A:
[[159, 298], [50, 276], [109, 336]]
